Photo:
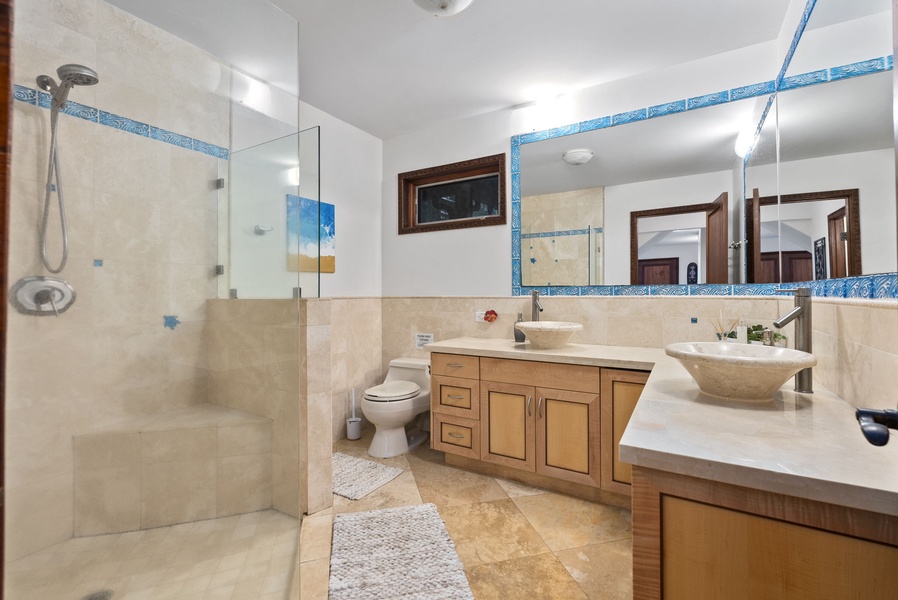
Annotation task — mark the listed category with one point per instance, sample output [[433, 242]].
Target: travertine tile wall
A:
[[146, 209], [254, 358], [856, 342]]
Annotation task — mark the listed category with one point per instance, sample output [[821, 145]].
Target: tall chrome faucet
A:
[[801, 314], [535, 306]]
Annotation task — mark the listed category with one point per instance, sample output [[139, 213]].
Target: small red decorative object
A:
[[490, 316]]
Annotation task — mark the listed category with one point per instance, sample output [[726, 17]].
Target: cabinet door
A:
[[567, 435], [620, 392], [506, 419]]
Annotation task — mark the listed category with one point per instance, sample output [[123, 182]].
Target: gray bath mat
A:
[[355, 478], [395, 553]]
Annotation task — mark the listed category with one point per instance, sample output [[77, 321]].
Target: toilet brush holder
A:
[[354, 428]]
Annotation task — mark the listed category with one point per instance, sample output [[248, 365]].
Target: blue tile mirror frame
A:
[[878, 285]]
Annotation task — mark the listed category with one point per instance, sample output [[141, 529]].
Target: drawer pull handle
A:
[[454, 365], [529, 412], [539, 407], [455, 397], [457, 436]]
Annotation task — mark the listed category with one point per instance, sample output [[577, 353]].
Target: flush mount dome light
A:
[[577, 157], [443, 8]]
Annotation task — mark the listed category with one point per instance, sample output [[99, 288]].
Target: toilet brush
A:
[[354, 424]]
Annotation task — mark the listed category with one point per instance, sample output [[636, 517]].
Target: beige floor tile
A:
[[448, 486], [313, 579], [604, 571], [516, 490], [564, 522], [490, 532], [401, 491], [541, 576]]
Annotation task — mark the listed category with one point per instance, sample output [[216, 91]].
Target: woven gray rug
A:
[[395, 553], [355, 478]]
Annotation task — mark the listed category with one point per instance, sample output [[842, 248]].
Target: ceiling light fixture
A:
[[577, 157], [443, 8]]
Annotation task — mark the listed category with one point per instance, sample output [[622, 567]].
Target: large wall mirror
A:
[[822, 205], [816, 190]]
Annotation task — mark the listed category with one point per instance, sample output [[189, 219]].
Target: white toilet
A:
[[390, 406]]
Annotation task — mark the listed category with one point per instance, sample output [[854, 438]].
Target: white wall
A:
[[478, 261], [351, 173]]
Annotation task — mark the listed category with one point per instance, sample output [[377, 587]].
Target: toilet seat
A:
[[392, 391]]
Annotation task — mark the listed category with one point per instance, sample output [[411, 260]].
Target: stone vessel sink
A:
[[746, 372], [548, 335]]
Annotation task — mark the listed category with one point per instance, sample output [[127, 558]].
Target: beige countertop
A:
[[803, 445]]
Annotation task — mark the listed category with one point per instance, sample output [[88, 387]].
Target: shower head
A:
[[77, 75], [69, 77]]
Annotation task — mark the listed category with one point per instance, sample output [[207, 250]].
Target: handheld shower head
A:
[[69, 76]]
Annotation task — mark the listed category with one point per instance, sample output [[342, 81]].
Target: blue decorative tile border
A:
[[872, 286], [881, 286], [546, 234], [95, 115]]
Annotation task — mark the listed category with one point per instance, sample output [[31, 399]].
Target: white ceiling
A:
[[389, 68]]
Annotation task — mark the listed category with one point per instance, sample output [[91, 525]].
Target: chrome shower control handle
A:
[[45, 296]]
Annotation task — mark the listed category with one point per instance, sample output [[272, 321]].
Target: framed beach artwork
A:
[[310, 235]]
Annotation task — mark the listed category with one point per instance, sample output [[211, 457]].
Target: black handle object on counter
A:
[[875, 424]]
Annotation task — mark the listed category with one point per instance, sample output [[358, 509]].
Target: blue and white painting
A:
[[310, 235]]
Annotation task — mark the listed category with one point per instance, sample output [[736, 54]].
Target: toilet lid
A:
[[392, 390]]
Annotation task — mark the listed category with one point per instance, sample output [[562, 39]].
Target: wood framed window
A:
[[465, 194]]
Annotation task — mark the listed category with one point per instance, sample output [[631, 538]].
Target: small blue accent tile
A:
[[44, 100], [170, 137], [170, 321], [564, 130], [516, 244], [857, 69], [542, 290], [753, 90], [516, 290], [210, 149], [597, 290], [670, 290], [707, 100], [629, 116], [659, 110], [890, 62], [834, 288], [124, 124], [884, 285], [693, 320], [710, 289], [534, 136], [81, 111], [515, 216], [24, 94], [859, 287], [593, 124], [804, 79], [516, 273], [631, 290], [516, 188], [515, 158], [98, 262]]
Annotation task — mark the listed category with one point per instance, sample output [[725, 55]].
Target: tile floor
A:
[[513, 540], [242, 557]]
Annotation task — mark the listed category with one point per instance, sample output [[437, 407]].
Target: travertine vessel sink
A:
[[747, 372], [548, 335]]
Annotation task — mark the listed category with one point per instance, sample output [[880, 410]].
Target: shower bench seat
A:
[[193, 463]]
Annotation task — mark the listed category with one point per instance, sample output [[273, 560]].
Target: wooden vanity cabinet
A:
[[549, 424], [620, 392]]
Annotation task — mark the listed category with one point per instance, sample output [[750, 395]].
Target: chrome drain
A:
[[101, 595]]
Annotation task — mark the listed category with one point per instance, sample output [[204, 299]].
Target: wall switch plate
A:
[[423, 338], [478, 315]]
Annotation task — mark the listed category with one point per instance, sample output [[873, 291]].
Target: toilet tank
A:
[[410, 369]]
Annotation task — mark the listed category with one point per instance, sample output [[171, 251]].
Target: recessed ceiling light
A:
[[577, 157], [443, 8]]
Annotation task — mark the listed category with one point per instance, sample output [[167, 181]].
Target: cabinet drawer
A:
[[455, 396], [455, 365], [455, 435], [559, 376]]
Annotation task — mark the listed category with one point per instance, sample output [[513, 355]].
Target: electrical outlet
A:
[[478, 315]]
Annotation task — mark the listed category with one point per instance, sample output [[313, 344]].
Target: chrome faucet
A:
[[801, 314], [535, 306]]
